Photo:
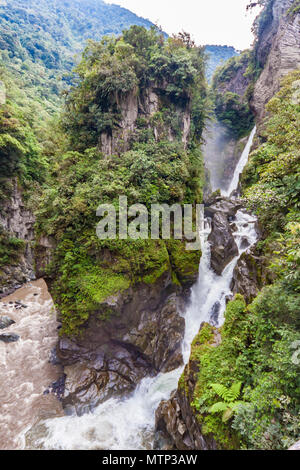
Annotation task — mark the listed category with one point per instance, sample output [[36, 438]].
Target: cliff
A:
[[135, 108], [250, 347], [17, 235], [277, 51], [132, 127]]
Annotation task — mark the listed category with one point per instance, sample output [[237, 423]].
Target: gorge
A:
[[115, 432], [138, 343]]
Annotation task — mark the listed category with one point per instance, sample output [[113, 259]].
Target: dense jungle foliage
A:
[[39, 39], [260, 341], [38, 42], [86, 270], [64, 177], [232, 109]]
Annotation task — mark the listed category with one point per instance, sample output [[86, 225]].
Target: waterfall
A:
[[128, 423], [240, 166]]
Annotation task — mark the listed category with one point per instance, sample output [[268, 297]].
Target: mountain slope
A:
[[217, 55], [39, 38]]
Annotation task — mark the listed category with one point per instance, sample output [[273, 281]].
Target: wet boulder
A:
[[224, 205], [5, 322], [141, 336], [251, 274], [223, 245], [9, 338]]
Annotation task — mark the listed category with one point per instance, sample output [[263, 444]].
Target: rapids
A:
[[25, 371], [128, 423]]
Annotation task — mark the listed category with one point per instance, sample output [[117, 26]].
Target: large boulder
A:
[[142, 336], [223, 245], [251, 274]]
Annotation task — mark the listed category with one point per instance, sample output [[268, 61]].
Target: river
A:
[[128, 423]]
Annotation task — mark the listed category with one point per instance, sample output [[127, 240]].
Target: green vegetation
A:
[[39, 39], [256, 350], [131, 64], [295, 8], [57, 162], [233, 109], [259, 340], [10, 249], [64, 174], [230, 402], [147, 168], [271, 178], [217, 55], [22, 161], [20, 151]]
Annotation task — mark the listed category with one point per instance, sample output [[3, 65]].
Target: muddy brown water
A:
[[25, 370]]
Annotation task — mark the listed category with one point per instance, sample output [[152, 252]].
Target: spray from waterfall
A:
[[128, 423]]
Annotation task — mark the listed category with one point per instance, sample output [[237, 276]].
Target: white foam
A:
[[129, 423]]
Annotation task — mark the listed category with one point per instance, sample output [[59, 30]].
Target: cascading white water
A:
[[128, 423], [240, 166]]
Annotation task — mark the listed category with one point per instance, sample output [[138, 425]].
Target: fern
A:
[[228, 394], [230, 403], [218, 407], [220, 390]]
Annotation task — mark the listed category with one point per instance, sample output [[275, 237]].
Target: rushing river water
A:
[[25, 371], [31, 419], [128, 423]]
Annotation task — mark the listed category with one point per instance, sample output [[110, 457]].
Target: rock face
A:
[[224, 247], [144, 105], [18, 222], [176, 420], [251, 274], [246, 280], [142, 337], [278, 52]]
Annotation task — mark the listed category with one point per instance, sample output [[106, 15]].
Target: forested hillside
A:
[[217, 55], [242, 382], [257, 339], [39, 39], [126, 117], [159, 161]]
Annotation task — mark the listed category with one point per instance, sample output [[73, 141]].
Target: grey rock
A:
[[295, 446], [175, 419], [224, 247], [9, 337], [251, 274], [5, 322], [278, 52], [142, 338]]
